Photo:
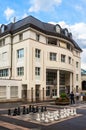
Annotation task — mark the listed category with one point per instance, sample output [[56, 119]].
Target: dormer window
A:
[[3, 28], [70, 35], [66, 32], [58, 28]]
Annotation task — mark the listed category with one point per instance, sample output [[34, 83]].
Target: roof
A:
[[83, 72], [46, 28]]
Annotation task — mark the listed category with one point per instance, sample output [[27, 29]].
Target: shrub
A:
[[63, 99]]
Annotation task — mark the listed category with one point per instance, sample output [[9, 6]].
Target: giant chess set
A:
[[40, 114]]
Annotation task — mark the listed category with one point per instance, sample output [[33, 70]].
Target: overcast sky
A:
[[68, 13]]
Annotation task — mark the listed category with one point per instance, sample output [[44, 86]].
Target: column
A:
[[8, 92], [58, 83], [71, 84]]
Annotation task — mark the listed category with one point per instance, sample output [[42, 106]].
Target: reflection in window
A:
[[63, 58], [52, 56], [20, 53]]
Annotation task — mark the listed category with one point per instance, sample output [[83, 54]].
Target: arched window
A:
[[58, 28], [83, 85], [3, 28], [66, 32]]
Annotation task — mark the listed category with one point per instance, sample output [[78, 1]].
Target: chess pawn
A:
[[56, 118], [74, 111], [38, 117], [46, 120], [42, 118]]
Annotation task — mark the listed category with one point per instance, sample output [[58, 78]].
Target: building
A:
[[83, 80], [38, 61]]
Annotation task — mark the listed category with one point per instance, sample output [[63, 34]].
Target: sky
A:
[[70, 14]]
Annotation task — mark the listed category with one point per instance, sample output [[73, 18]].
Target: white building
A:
[[37, 61]]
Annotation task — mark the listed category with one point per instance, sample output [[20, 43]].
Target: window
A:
[[58, 28], [51, 77], [48, 91], [83, 85], [66, 32], [2, 91], [37, 53], [54, 92], [20, 71], [37, 37], [77, 77], [63, 58], [20, 37], [37, 71], [52, 56], [3, 28], [2, 42], [20, 53], [69, 60], [62, 79], [4, 73], [77, 64], [14, 91]]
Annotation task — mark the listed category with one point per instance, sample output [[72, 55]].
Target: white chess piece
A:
[[74, 110], [43, 118], [38, 117]]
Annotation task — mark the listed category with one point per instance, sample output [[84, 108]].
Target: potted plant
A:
[[62, 100]]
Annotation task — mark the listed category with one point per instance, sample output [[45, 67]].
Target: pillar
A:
[[71, 82], [58, 83]]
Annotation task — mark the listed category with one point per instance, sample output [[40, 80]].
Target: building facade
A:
[[83, 81], [38, 61]]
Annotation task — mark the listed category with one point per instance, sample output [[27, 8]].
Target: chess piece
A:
[[9, 111]]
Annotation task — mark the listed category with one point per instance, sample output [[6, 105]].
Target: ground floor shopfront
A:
[[57, 82]]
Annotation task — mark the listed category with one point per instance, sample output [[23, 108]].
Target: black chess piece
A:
[[15, 112], [45, 109], [37, 108], [18, 111], [9, 111], [30, 108], [24, 110], [41, 108], [27, 109], [33, 109]]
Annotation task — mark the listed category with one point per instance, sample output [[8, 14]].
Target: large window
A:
[[62, 79], [14, 91], [4, 73], [2, 91], [51, 77], [63, 58], [20, 53], [77, 64], [37, 53], [20, 71], [83, 85], [52, 56], [48, 91]]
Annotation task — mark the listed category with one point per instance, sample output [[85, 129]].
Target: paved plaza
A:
[[27, 122]]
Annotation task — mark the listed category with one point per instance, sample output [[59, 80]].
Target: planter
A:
[[84, 98], [62, 103]]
